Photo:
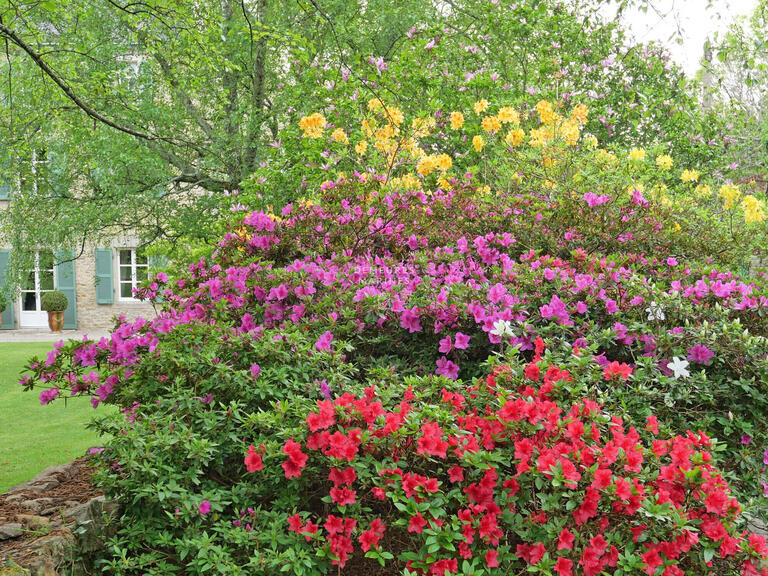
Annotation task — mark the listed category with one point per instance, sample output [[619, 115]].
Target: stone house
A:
[[98, 283]]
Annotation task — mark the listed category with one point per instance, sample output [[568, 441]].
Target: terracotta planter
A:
[[56, 320]]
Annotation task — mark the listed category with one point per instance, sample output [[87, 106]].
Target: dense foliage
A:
[[340, 350], [147, 118]]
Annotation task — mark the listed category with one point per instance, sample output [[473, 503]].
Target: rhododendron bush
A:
[[316, 396]]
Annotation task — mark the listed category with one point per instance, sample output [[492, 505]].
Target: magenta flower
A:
[[255, 370], [47, 396], [446, 345], [746, 439], [447, 368], [324, 342], [410, 320], [700, 354], [204, 507], [462, 341]]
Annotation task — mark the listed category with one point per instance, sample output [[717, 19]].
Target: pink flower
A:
[[700, 354], [409, 320], [47, 396], [445, 345], [462, 341], [324, 342], [255, 370], [204, 507], [447, 368]]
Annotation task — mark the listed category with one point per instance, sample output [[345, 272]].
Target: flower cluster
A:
[[510, 475]]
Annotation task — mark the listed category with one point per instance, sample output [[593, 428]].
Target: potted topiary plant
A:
[[54, 303]]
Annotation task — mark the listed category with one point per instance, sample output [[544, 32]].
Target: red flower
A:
[[456, 474], [565, 540], [343, 496], [431, 442], [622, 370], [653, 424], [308, 530], [492, 558], [417, 524], [294, 523], [341, 477], [532, 372], [369, 539], [253, 461], [379, 493], [325, 418], [296, 459], [564, 566]]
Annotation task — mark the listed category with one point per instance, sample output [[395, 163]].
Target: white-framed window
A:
[[133, 267]]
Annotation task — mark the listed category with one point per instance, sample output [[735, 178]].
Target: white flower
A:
[[655, 312], [679, 367], [502, 328]]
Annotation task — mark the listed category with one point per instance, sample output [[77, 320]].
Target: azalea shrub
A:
[[347, 337]]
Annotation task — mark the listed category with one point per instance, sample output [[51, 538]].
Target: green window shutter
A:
[[105, 283], [65, 282], [9, 322]]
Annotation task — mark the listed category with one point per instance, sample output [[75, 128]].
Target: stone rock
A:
[[38, 505], [11, 530], [32, 522], [94, 522]]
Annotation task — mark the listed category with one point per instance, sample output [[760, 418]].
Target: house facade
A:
[[98, 283]]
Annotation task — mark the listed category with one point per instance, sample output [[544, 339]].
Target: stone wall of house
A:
[[98, 317]]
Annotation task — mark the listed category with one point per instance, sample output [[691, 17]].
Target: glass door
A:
[[37, 282]]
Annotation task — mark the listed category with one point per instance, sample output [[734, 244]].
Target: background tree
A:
[[147, 116]]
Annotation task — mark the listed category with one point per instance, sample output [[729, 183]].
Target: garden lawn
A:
[[33, 437]]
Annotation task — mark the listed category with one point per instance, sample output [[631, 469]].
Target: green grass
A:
[[33, 437]]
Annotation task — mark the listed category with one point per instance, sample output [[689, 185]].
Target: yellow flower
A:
[[546, 113], [703, 190], [579, 114], [422, 126], [374, 104], [367, 128], [540, 136], [480, 106], [361, 147], [340, 136], [549, 184], [312, 125], [689, 175], [515, 137], [606, 157], [491, 124], [569, 130], [590, 141], [730, 194], [443, 182], [507, 115], [395, 115], [457, 120], [637, 155], [478, 143], [664, 161], [426, 165], [754, 209], [444, 162]]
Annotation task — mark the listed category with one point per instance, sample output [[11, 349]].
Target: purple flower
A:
[[447, 368], [207, 399], [700, 354], [325, 390], [765, 457], [746, 439], [47, 396], [255, 370], [204, 507]]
